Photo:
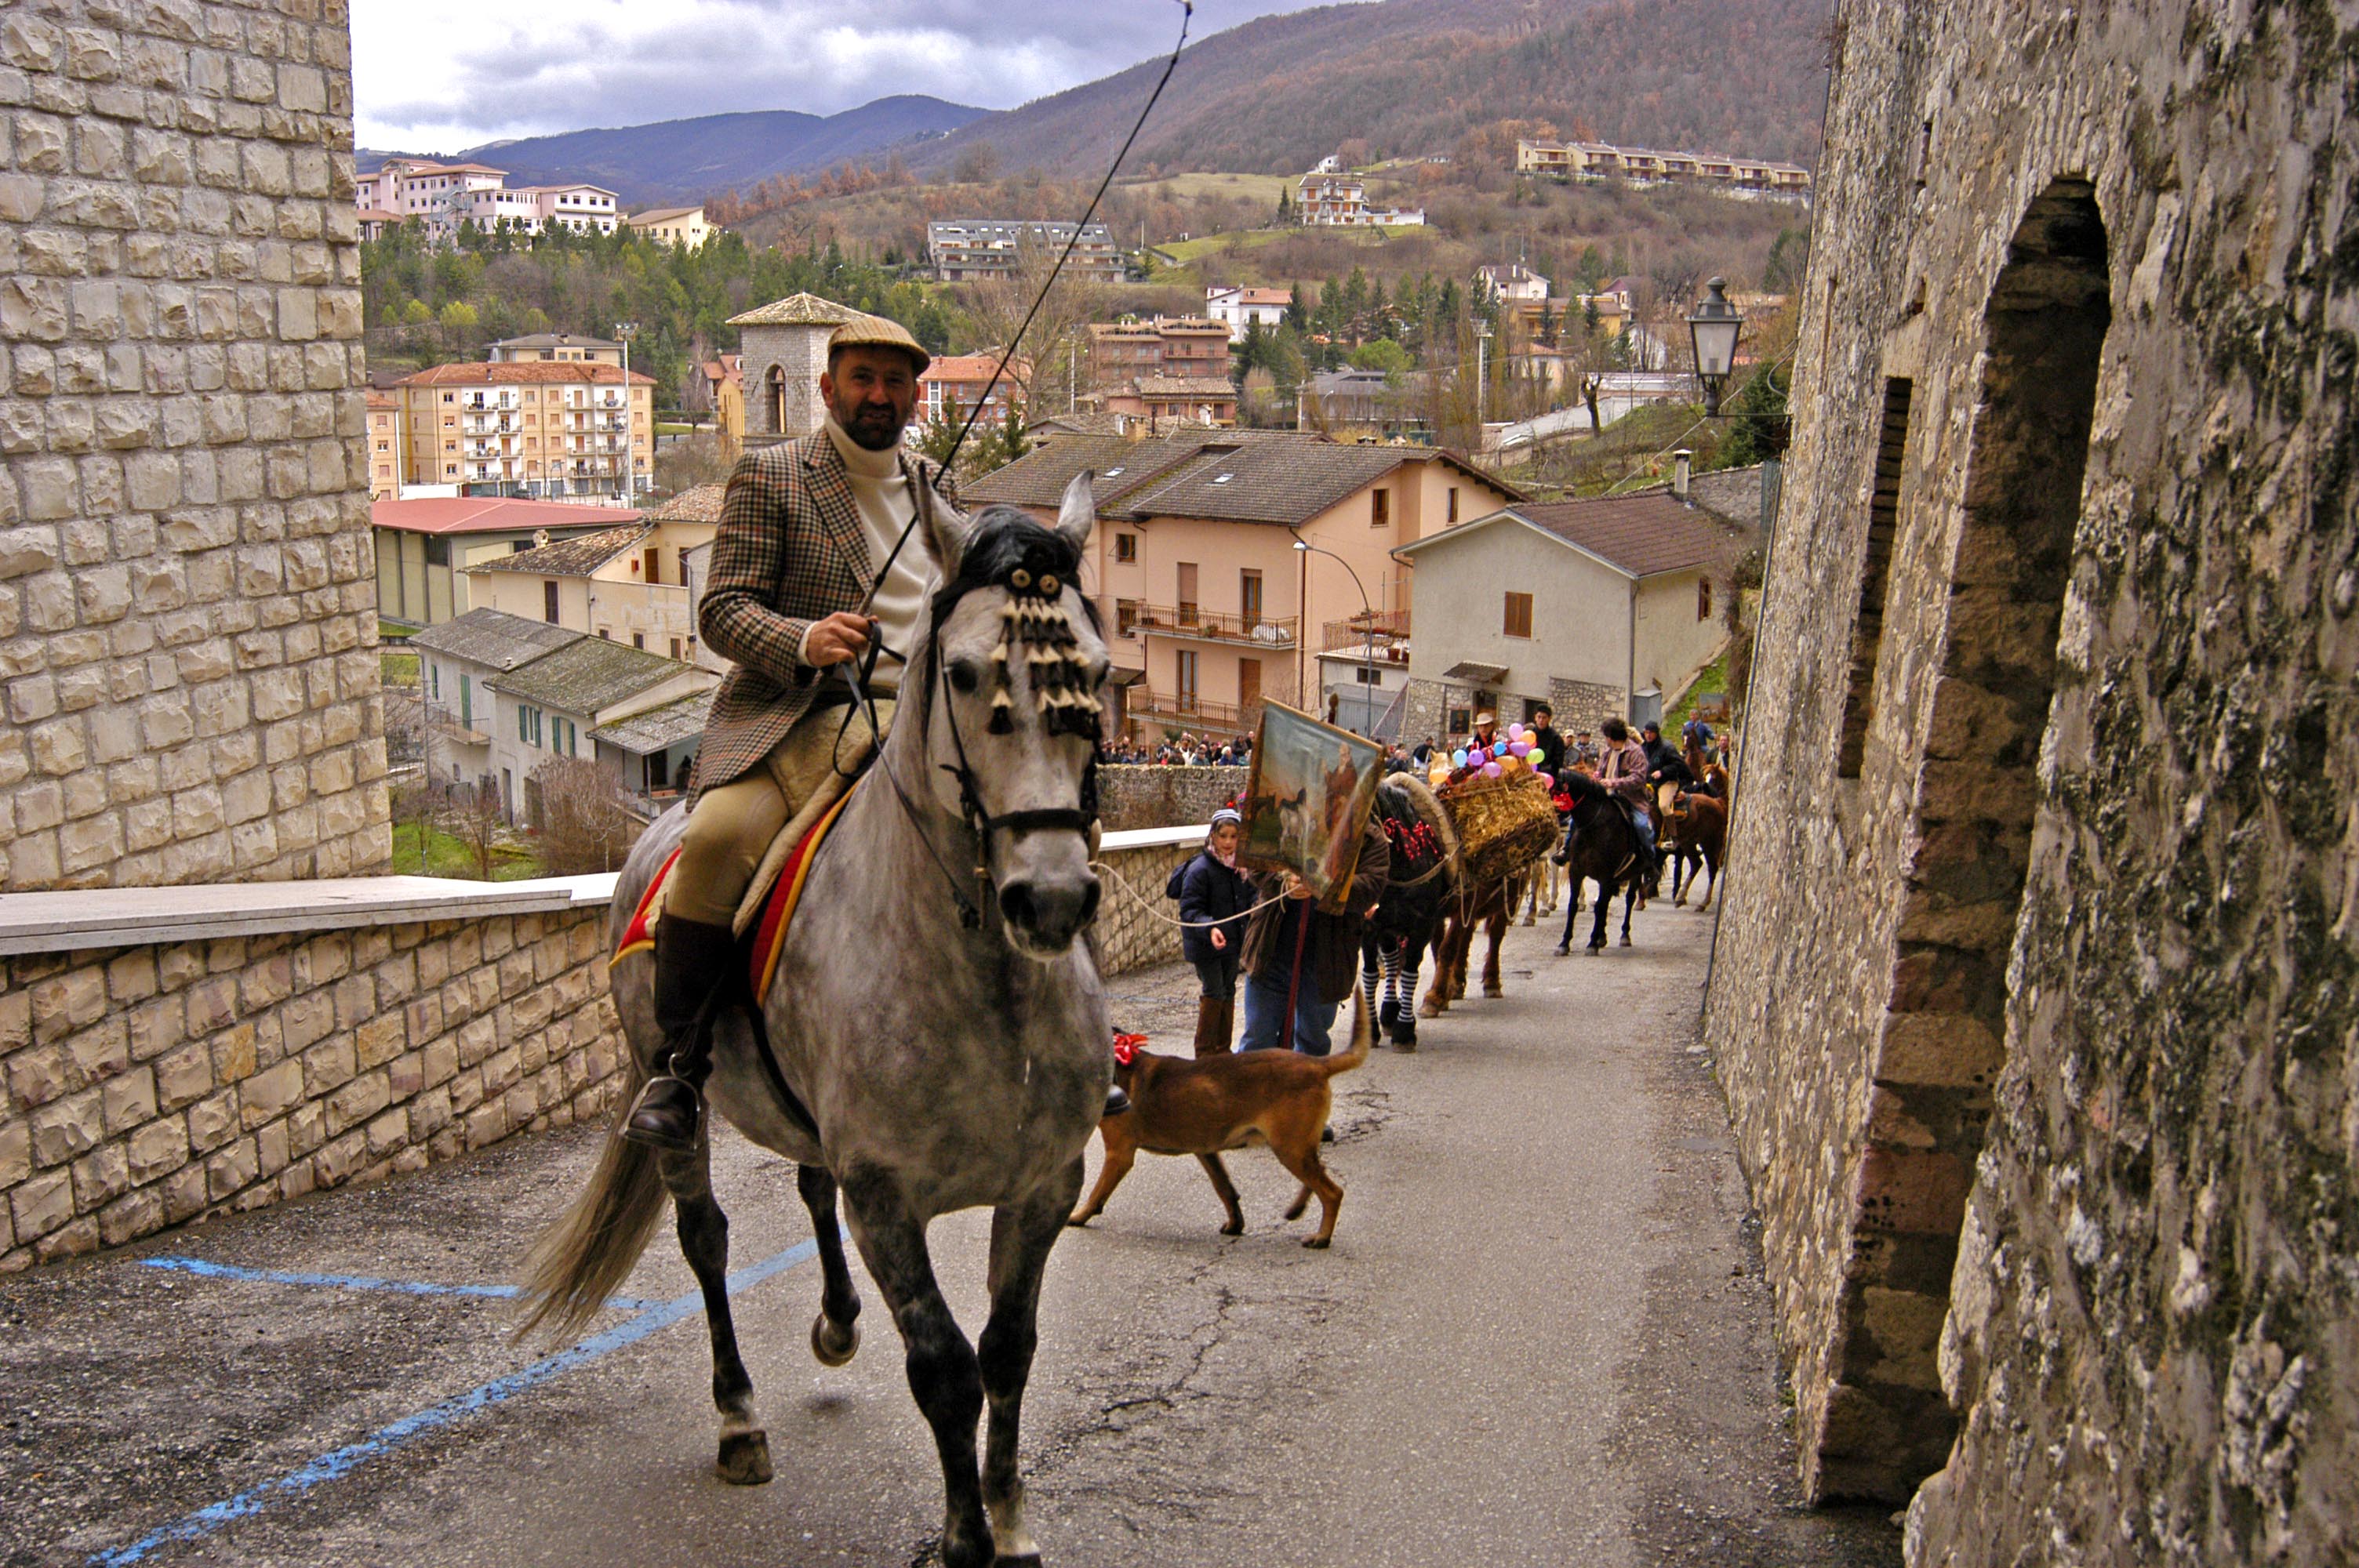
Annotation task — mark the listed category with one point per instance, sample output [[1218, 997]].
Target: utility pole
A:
[[627, 330]]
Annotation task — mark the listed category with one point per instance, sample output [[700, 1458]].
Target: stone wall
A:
[[187, 617], [148, 1086], [145, 1086], [1134, 796], [2032, 988]]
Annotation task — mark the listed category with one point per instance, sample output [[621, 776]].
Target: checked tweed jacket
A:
[[790, 550]]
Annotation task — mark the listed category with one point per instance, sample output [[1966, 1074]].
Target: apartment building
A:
[[544, 429], [555, 348], [952, 384], [628, 584], [443, 196], [1158, 401], [1645, 165], [681, 226], [1341, 201], [1209, 606], [425, 545], [972, 250], [1242, 306], [385, 476], [1165, 346]]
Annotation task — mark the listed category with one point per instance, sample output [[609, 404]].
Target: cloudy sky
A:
[[440, 75]]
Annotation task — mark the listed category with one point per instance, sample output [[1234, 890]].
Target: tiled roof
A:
[[492, 514], [1286, 482], [666, 214], [642, 734], [1185, 386], [697, 504], [590, 674], [494, 638], [796, 310], [524, 371], [555, 340], [1086, 422], [968, 368], [1643, 534], [1038, 478], [378, 398], [570, 557]]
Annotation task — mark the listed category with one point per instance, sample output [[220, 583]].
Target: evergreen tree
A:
[[1298, 314]]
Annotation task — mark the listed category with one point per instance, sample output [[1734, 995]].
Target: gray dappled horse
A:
[[949, 1040]]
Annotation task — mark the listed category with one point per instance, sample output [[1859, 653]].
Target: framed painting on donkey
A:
[[1307, 799]]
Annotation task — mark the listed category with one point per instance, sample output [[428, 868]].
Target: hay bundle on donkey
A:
[[1504, 824]]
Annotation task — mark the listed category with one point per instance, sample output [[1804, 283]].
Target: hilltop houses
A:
[[1644, 165]]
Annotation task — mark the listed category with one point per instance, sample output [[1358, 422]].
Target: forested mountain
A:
[[686, 160], [1414, 77]]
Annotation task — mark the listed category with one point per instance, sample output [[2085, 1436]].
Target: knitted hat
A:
[[879, 333], [1227, 815]]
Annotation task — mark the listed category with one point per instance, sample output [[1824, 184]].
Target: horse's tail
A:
[[580, 1260], [1364, 1035]]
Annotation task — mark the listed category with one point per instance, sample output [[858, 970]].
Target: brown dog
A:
[[1201, 1107]]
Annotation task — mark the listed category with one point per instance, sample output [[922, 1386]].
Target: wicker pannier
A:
[[1504, 824]]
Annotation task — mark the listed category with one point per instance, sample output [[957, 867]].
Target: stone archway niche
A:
[[1888, 1423]]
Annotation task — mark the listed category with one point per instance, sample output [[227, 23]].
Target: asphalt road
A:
[[1541, 1338]]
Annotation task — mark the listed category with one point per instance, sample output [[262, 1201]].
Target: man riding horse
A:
[[805, 525]]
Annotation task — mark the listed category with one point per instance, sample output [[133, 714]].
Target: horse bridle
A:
[[1024, 582]]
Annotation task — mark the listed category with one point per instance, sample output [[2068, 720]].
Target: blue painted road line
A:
[[343, 1461], [357, 1282]]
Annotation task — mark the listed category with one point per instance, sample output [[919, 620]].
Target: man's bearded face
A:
[[872, 392]]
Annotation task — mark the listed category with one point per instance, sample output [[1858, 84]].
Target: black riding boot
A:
[[693, 960]]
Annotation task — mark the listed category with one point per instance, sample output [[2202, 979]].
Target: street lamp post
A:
[[625, 331], [1367, 621], [1482, 376], [1713, 329]]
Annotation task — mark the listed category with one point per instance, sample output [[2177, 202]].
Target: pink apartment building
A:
[[1208, 608]]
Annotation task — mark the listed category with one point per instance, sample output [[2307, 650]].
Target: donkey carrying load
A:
[[954, 1056]]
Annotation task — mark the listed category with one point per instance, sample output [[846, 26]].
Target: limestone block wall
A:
[[147, 1086], [187, 617], [1140, 796], [2032, 988]]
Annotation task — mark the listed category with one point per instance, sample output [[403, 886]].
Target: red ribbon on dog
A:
[[1125, 1046]]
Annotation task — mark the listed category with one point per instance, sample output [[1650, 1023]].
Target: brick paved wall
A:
[[187, 617], [149, 1086], [2032, 996]]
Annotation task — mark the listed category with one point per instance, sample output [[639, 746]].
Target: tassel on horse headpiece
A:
[[1034, 565]]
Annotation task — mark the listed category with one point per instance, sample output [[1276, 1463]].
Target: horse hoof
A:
[[1235, 1228], [744, 1458], [832, 1344], [1495, 991], [1528, 919], [1594, 948], [1626, 942], [1564, 949]]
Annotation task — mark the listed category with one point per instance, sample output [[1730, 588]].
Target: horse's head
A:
[[1015, 662]]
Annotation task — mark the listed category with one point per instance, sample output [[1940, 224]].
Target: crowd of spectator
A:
[[1184, 750]]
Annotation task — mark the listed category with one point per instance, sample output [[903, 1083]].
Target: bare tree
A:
[[473, 816], [1047, 368], [583, 825]]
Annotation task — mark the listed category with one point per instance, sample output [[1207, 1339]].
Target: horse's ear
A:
[[946, 528], [1079, 511]]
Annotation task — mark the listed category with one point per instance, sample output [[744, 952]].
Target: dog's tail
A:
[[1364, 1035]]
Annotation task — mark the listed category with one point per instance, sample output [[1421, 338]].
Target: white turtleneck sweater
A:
[[881, 492]]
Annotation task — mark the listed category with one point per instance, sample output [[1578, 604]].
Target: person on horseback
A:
[[1696, 735], [1667, 771], [804, 526], [1622, 768]]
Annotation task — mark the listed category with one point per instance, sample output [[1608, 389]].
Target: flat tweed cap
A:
[[879, 333]]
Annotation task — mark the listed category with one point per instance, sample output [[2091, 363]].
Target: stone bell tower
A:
[[782, 351]]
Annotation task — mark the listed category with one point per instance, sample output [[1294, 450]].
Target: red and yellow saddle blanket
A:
[[767, 935]]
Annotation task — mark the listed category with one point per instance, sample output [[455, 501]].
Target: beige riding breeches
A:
[[734, 826]]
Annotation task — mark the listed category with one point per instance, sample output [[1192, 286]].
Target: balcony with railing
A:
[[1381, 635], [1158, 707], [1197, 624]]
